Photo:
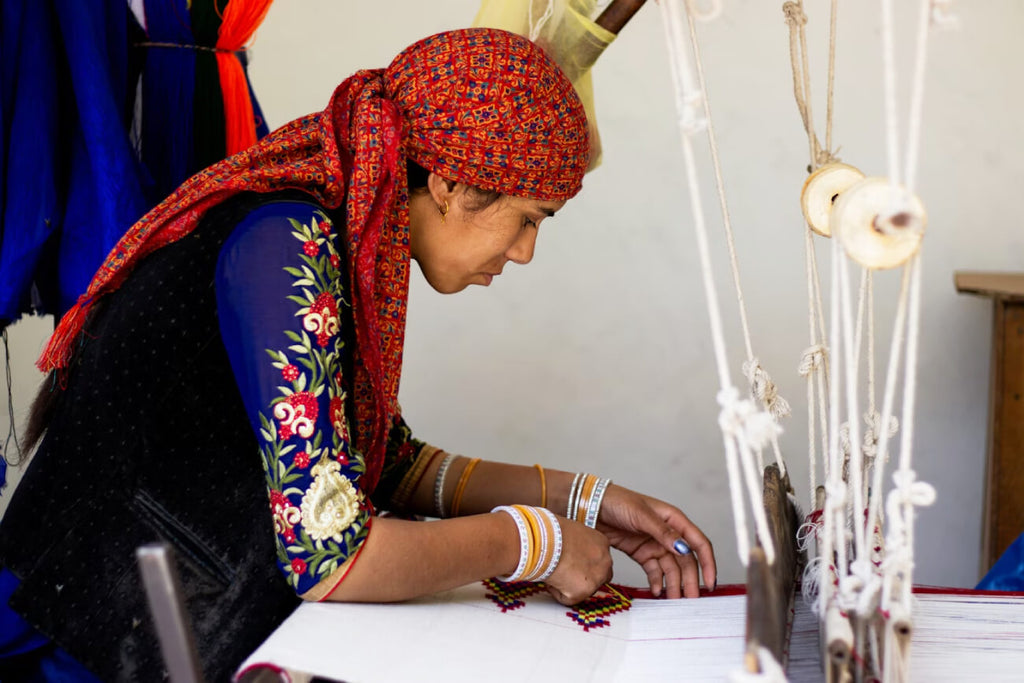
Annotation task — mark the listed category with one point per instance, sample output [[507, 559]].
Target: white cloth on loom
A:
[[460, 635]]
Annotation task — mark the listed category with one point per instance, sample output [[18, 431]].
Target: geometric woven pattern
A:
[[591, 613]]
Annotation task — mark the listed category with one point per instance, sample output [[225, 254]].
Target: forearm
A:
[[491, 484], [403, 559]]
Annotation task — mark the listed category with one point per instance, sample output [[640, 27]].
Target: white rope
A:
[[856, 456], [917, 93], [761, 385], [888, 398], [889, 80], [746, 429]]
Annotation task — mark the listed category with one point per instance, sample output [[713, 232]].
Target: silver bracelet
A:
[[573, 493], [439, 485], [594, 507]]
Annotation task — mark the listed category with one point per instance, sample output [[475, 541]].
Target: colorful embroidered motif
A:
[[320, 514], [595, 610], [591, 613], [509, 595]]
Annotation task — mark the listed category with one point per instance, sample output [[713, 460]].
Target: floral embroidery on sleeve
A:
[[320, 514]]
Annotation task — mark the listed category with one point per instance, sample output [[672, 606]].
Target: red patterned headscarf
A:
[[479, 106]]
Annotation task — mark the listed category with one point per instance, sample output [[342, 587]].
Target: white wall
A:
[[597, 356]]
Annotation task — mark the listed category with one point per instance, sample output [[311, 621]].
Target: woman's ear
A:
[[441, 189]]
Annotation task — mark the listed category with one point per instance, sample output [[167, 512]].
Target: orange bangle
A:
[[533, 559], [413, 477], [586, 490], [460, 488], [543, 487]]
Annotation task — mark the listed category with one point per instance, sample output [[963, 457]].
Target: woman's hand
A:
[[646, 529], [586, 564]]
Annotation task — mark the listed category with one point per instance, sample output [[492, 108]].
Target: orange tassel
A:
[[239, 21], [57, 353]]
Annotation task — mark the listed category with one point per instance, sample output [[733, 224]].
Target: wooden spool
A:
[[878, 229], [821, 190]]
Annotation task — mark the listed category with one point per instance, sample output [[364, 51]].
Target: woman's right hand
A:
[[585, 565]]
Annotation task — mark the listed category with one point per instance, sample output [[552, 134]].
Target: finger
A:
[[692, 537], [655, 575], [702, 548], [673, 576], [691, 577]]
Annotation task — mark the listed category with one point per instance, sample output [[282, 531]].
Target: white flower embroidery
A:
[[330, 504]]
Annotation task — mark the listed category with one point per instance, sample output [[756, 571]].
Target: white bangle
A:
[[594, 507], [439, 485], [524, 542], [556, 541]]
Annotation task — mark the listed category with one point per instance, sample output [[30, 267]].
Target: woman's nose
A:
[[521, 251]]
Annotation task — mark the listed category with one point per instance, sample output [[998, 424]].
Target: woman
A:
[[256, 317]]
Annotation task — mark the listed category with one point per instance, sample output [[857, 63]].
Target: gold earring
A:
[[443, 211]]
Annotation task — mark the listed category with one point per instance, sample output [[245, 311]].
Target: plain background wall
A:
[[597, 356]]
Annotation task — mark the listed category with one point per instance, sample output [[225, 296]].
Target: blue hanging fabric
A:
[[105, 187], [31, 160], [71, 180], [168, 90]]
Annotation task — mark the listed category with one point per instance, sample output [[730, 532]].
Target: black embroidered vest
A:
[[150, 441]]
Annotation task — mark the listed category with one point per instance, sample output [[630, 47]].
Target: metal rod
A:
[[163, 591]]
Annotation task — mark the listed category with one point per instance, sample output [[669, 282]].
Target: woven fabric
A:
[[479, 106]]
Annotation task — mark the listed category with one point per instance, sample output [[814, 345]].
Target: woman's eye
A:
[[527, 222]]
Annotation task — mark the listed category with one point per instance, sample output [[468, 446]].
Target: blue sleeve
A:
[[284, 318]]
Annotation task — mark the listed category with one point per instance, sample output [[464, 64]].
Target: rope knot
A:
[[740, 418], [794, 14], [764, 389], [917, 493], [812, 358], [859, 590]]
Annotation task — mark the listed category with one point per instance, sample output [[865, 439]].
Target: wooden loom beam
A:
[[770, 587]]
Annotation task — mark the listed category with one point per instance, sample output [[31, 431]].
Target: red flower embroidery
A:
[[301, 459], [325, 227], [299, 566], [311, 248], [337, 413], [290, 373], [289, 535], [335, 260], [296, 415], [322, 318], [278, 501]]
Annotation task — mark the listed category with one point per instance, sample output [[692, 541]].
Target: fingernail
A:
[[680, 547]]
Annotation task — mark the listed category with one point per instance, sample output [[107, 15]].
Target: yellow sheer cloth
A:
[[565, 30]]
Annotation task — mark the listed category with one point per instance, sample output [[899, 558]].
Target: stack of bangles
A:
[[585, 496], [540, 542]]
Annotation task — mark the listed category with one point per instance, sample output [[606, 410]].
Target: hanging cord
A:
[[761, 385], [12, 429], [745, 429]]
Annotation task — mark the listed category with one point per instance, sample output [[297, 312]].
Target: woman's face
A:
[[471, 246]]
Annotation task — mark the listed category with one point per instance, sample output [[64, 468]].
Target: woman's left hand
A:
[[648, 530]]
